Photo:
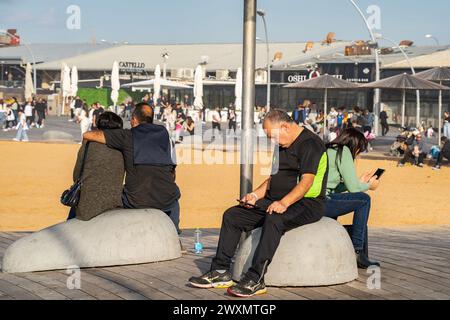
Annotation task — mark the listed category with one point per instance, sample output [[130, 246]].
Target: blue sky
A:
[[199, 21]]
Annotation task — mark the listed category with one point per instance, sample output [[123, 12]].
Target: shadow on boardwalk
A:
[[415, 265]]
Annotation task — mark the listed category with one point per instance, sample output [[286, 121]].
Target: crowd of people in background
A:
[[181, 118], [22, 116]]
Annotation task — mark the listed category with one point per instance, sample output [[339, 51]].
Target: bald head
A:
[[281, 128], [142, 113]]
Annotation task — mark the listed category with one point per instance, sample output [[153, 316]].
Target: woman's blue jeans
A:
[[339, 204], [447, 130]]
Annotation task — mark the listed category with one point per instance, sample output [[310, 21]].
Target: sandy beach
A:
[[33, 175]]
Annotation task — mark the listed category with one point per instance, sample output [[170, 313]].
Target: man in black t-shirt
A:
[[149, 163], [292, 196]]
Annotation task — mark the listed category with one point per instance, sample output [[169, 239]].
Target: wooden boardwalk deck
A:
[[415, 265]]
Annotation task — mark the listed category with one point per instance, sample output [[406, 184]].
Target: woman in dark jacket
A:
[[103, 174]]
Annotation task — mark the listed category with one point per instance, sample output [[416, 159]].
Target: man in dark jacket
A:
[[149, 163], [384, 123], [445, 153]]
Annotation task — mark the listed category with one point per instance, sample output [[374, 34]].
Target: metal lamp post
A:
[[248, 97], [379, 36], [262, 14], [430, 36], [165, 56], [32, 57], [377, 96]]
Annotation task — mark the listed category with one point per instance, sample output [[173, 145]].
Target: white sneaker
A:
[[16, 140], [25, 140]]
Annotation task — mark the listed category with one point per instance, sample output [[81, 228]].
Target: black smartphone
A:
[[245, 204], [379, 173]]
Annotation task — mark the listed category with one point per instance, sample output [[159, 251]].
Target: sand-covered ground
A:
[[33, 175]]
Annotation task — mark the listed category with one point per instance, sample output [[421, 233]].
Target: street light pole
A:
[[430, 36], [262, 14], [248, 97], [32, 57], [413, 72], [377, 95]]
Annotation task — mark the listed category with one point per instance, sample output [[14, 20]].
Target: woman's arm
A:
[[347, 170]]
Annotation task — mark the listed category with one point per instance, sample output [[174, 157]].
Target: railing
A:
[[12, 84]]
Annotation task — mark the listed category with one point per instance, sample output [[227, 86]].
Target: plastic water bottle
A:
[[198, 241]]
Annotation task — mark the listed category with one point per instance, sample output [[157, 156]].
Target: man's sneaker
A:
[[437, 168], [247, 288], [15, 139], [420, 165], [400, 165], [213, 279]]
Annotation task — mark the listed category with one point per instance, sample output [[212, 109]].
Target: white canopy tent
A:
[[198, 88], [65, 85], [115, 84], [238, 90], [28, 83], [157, 83], [74, 82]]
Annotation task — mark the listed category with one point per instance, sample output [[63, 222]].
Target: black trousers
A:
[[384, 128], [441, 158], [409, 157], [238, 219], [232, 125]]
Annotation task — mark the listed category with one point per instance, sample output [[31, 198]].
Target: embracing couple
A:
[[143, 155]]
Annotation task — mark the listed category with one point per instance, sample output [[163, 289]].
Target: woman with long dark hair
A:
[[346, 193]]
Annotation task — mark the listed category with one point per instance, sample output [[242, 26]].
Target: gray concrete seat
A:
[[317, 254], [53, 135], [118, 237]]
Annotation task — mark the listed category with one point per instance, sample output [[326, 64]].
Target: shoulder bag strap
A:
[[84, 160]]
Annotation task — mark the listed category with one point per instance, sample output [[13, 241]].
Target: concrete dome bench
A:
[[318, 254], [118, 237]]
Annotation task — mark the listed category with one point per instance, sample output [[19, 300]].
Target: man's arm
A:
[[260, 193], [292, 197], [95, 136]]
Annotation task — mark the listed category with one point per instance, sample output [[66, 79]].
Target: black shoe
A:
[[212, 279], [247, 288], [363, 260]]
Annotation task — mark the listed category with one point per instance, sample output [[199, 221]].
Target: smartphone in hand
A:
[[379, 173], [246, 204]]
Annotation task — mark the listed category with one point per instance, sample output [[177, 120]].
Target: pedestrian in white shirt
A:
[[83, 120], [22, 128], [216, 121], [29, 112]]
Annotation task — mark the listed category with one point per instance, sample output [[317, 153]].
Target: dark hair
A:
[[352, 139], [109, 120], [444, 139], [277, 116], [143, 113]]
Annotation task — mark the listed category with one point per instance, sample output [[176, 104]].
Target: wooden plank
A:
[[47, 279], [33, 287], [127, 294], [17, 292]]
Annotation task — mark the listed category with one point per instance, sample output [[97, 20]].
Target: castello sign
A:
[[131, 66]]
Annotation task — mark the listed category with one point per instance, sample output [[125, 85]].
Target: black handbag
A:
[[71, 196]]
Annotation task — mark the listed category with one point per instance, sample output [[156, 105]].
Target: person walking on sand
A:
[[22, 128]]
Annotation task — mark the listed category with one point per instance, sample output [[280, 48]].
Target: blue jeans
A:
[[173, 211], [447, 130], [22, 134], [339, 204]]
